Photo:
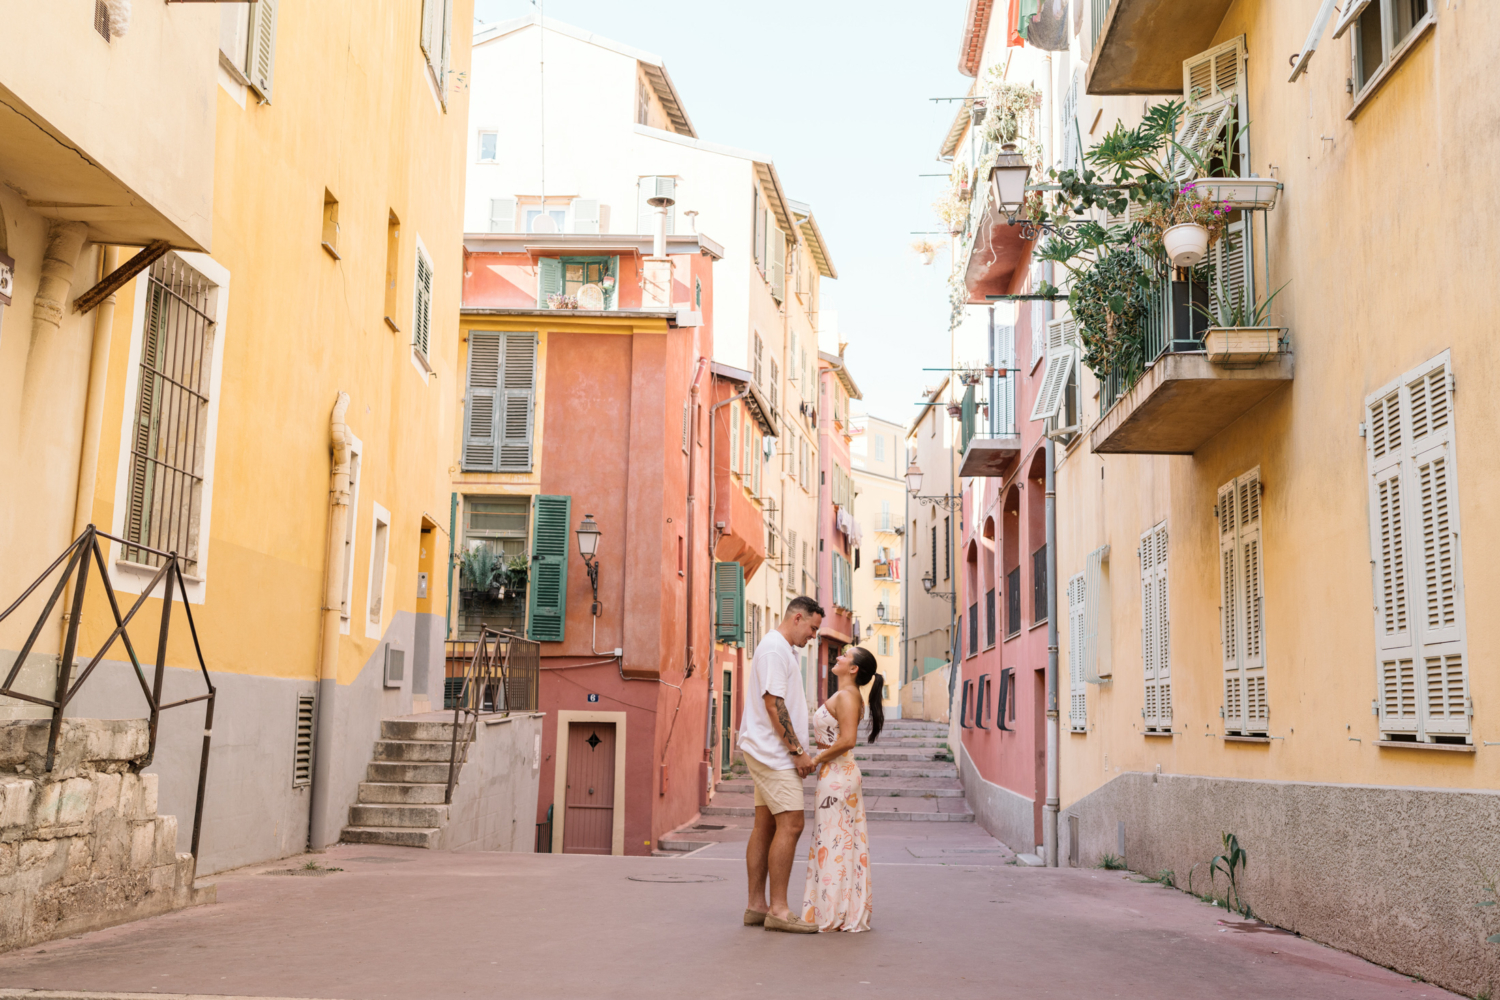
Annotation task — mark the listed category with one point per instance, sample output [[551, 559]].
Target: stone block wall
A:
[[82, 846]]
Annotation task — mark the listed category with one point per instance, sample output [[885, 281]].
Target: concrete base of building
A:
[[1008, 817], [1391, 874]]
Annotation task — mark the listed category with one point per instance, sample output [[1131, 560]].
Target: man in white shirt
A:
[[773, 737]]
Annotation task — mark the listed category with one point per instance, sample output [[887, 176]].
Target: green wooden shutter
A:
[[729, 603], [549, 275], [549, 568], [968, 417], [518, 399], [481, 400], [611, 296]]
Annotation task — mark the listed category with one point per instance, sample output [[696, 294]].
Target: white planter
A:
[[1237, 346], [1241, 192], [1186, 243]]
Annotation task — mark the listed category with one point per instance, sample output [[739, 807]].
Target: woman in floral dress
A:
[[837, 897]]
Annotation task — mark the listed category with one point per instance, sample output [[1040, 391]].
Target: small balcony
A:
[[990, 441], [1192, 379], [1139, 45]]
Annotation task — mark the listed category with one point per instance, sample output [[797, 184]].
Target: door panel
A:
[[589, 796]]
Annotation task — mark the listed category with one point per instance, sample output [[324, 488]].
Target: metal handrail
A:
[[77, 556], [500, 677]]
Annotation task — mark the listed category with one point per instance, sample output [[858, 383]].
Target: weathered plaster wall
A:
[[1007, 816], [494, 802], [1392, 874]]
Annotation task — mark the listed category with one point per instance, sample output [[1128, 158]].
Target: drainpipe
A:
[[1049, 816], [93, 415], [713, 541], [692, 505], [322, 826]]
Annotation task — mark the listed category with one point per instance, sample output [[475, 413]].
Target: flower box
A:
[[1241, 192], [1242, 345]]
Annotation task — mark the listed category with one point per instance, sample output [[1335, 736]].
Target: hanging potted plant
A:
[[1009, 110], [925, 249], [1190, 222]]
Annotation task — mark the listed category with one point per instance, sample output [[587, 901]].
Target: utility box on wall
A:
[[395, 666]]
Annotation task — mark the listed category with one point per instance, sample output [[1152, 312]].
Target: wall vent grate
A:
[[302, 757]]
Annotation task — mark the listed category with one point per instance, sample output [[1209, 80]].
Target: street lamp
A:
[[928, 582], [588, 547], [1009, 175], [913, 478], [880, 610], [914, 483]]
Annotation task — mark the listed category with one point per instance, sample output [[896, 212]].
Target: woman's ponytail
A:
[[877, 705]]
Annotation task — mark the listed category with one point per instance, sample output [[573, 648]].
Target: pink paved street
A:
[[954, 918]]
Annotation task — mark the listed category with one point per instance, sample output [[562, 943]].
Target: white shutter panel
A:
[[1060, 355], [502, 215], [1352, 10], [1148, 626], [1320, 21], [481, 396], [1252, 604], [1078, 702], [446, 58], [262, 61], [1155, 629], [1003, 416], [1094, 607], [778, 263], [1434, 551], [518, 395], [1229, 609], [422, 306], [1213, 84], [585, 215], [1070, 131], [1228, 285], [1385, 447], [1200, 128]]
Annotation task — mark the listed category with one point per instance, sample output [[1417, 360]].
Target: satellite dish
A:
[[591, 297], [543, 223]]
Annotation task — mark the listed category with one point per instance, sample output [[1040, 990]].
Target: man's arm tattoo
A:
[[785, 718]]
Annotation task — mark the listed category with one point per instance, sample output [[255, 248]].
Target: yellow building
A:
[[277, 407], [1260, 553], [878, 457]]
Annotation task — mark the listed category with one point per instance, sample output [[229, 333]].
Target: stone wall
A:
[[82, 846], [1394, 875]]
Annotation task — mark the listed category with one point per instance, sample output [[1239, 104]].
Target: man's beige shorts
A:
[[778, 791]]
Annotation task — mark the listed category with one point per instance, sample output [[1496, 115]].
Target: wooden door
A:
[[589, 798]]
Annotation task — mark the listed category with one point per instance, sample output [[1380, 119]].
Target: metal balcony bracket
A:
[[115, 280]]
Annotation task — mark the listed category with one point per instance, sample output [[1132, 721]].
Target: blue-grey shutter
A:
[[518, 397], [481, 402], [549, 280], [549, 568]]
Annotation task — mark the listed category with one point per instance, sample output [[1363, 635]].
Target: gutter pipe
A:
[[322, 827]]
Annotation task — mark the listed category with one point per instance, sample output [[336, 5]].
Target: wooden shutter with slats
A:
[[518, 398], [1229, 286], [549, 568], [502, 215], [262, 42], [1241, 606], [1078, 700], [549, 279], [1156, 630], [422, 307], [481, 401], [1096, 664], [1385, 445], [1213, 84], [729, 603], [1061, 352], [777, 255]]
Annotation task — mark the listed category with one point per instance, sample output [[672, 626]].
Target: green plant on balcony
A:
[[480, 569], [1010, 113]]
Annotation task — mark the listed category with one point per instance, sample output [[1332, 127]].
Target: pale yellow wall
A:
[[1381, 237], [354, 113], [928, 618], [877, 481]]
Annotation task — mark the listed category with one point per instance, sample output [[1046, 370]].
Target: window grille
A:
[[171, 421], [989, 616], [101, 18], [1039, 585], [1013, 601]]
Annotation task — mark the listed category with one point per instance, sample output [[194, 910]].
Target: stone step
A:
[[670, 847], [416, 817], [873, 753], [943, 788], [401, 793], [924, 768], [431, 732], [872, 815], [391, 771], [395, 836], [877, 807], [415, 751]]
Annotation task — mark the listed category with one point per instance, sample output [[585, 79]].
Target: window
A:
[[729, 603], [495, 533], [392, 267], [1078, 700], [101, 19], [989, 617], [947, 549], [974, 629], [421, 325], [1039, 586], [1421, 640], [1241, 607], [380, 532], [880, 447], [642, 102], [934, 552], [351, 522], [169, 431], [545, 219], [331, 224], [234, 38], [747, 462], [776, 253], [589, 271], [585, 215], [775, 378], [1379, 30], [437, 31], [758, 235], [1013, 602], [697, 293], [499, 402], [756, 360], [885, 513], [502, 215], [883, 644], [489, 143], [1156, 646]]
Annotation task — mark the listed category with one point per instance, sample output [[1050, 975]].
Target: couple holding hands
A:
[[773, 732]]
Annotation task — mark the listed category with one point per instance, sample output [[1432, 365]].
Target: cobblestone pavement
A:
[[954, 918]]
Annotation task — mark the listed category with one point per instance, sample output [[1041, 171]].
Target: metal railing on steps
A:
[[495, 674]]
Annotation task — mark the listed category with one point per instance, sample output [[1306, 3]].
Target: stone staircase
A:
[[401, 803], [909, 774]]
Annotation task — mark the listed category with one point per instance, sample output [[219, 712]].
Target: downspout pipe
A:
[[1049, 816], [713, 541], [322, 825]]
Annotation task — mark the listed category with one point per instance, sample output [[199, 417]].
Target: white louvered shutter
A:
[[1200, 128], [734, 441], [1078, 700], [262, 61], [585, 215], [1061, 352], [518, 395], [778, 263], [1070, 131], [1352, 10], [1241, 613], [1095, 617], [1155, 630], [1385, 448], [421, 336], [1213, 84], [1003, 391], [1228, 287], [1229, 609], [481, 401], [502, 215], [1434, 551]]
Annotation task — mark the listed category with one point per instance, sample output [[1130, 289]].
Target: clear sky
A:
[[837, 94]]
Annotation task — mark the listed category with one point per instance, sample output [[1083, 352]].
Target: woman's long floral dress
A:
[[837, 897]]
